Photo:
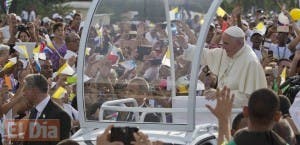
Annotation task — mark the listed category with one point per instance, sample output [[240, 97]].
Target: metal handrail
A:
[[118, 103]]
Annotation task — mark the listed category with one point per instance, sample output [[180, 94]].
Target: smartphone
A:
[[123, 134], [155, 61]]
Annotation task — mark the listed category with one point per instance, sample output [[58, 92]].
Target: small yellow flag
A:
[[260, 26], [65, 69], [283, 75], [167, 58], [221, 12], [59, 93], [72, 96], [182, 89], [11, 62], [87, 51], [49, 42], [37, 49], [175, 10]]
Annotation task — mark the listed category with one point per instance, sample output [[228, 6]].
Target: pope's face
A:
[[230, 45]]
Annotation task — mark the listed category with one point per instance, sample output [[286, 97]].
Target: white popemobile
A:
[[182, 118]]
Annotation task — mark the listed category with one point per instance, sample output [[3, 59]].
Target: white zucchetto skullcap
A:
[[235, 31]]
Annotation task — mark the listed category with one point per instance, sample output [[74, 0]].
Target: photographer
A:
[[23, 34]]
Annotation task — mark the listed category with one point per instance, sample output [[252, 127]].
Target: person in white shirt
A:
[[32, 16], [236, 65], [257, 39], [24, 16], [281, 49], [152, 36]]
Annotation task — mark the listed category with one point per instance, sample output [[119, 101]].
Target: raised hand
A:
[[223, 112], [224, 104]]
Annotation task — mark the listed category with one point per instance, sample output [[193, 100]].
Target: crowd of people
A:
[[29, 73], [252, 58]]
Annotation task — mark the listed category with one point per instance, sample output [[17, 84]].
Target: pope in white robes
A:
[[236, 65]]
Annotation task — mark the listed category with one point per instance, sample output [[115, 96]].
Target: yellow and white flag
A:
[[87, 51], [167, 58], [11, 62], [283, 75], [221, 12], [173, 13], [65, 69], [22, 50], [59, 93], [261, 28], [49, 42]]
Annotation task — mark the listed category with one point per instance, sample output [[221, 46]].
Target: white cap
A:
[[257, 32], [235, 31], [46, 20], [69, 17], [56, 16]]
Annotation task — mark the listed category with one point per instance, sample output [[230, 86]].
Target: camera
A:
[[43, 30], [123, 134], [22, 27]]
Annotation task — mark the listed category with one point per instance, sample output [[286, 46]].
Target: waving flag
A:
[[11, 62], [167, 58], [283, 75], [51, 46], [174, 13], [22, 50], [49, 42], [40, 48], [65, 69], [221, 12], [59, 93], [73, 79], [261, 28]]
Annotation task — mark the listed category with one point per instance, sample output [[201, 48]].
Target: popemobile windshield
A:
[[132, 70]]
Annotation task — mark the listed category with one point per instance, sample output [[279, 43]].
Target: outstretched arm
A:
[[223, 112]]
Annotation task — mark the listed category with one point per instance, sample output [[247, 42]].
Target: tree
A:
[[267, 5], [42, 7]]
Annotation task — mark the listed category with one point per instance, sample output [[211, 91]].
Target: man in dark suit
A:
[[36, 91]]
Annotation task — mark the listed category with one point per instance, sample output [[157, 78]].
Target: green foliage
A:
[[148, 9], [267, 5], [42, 7]]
